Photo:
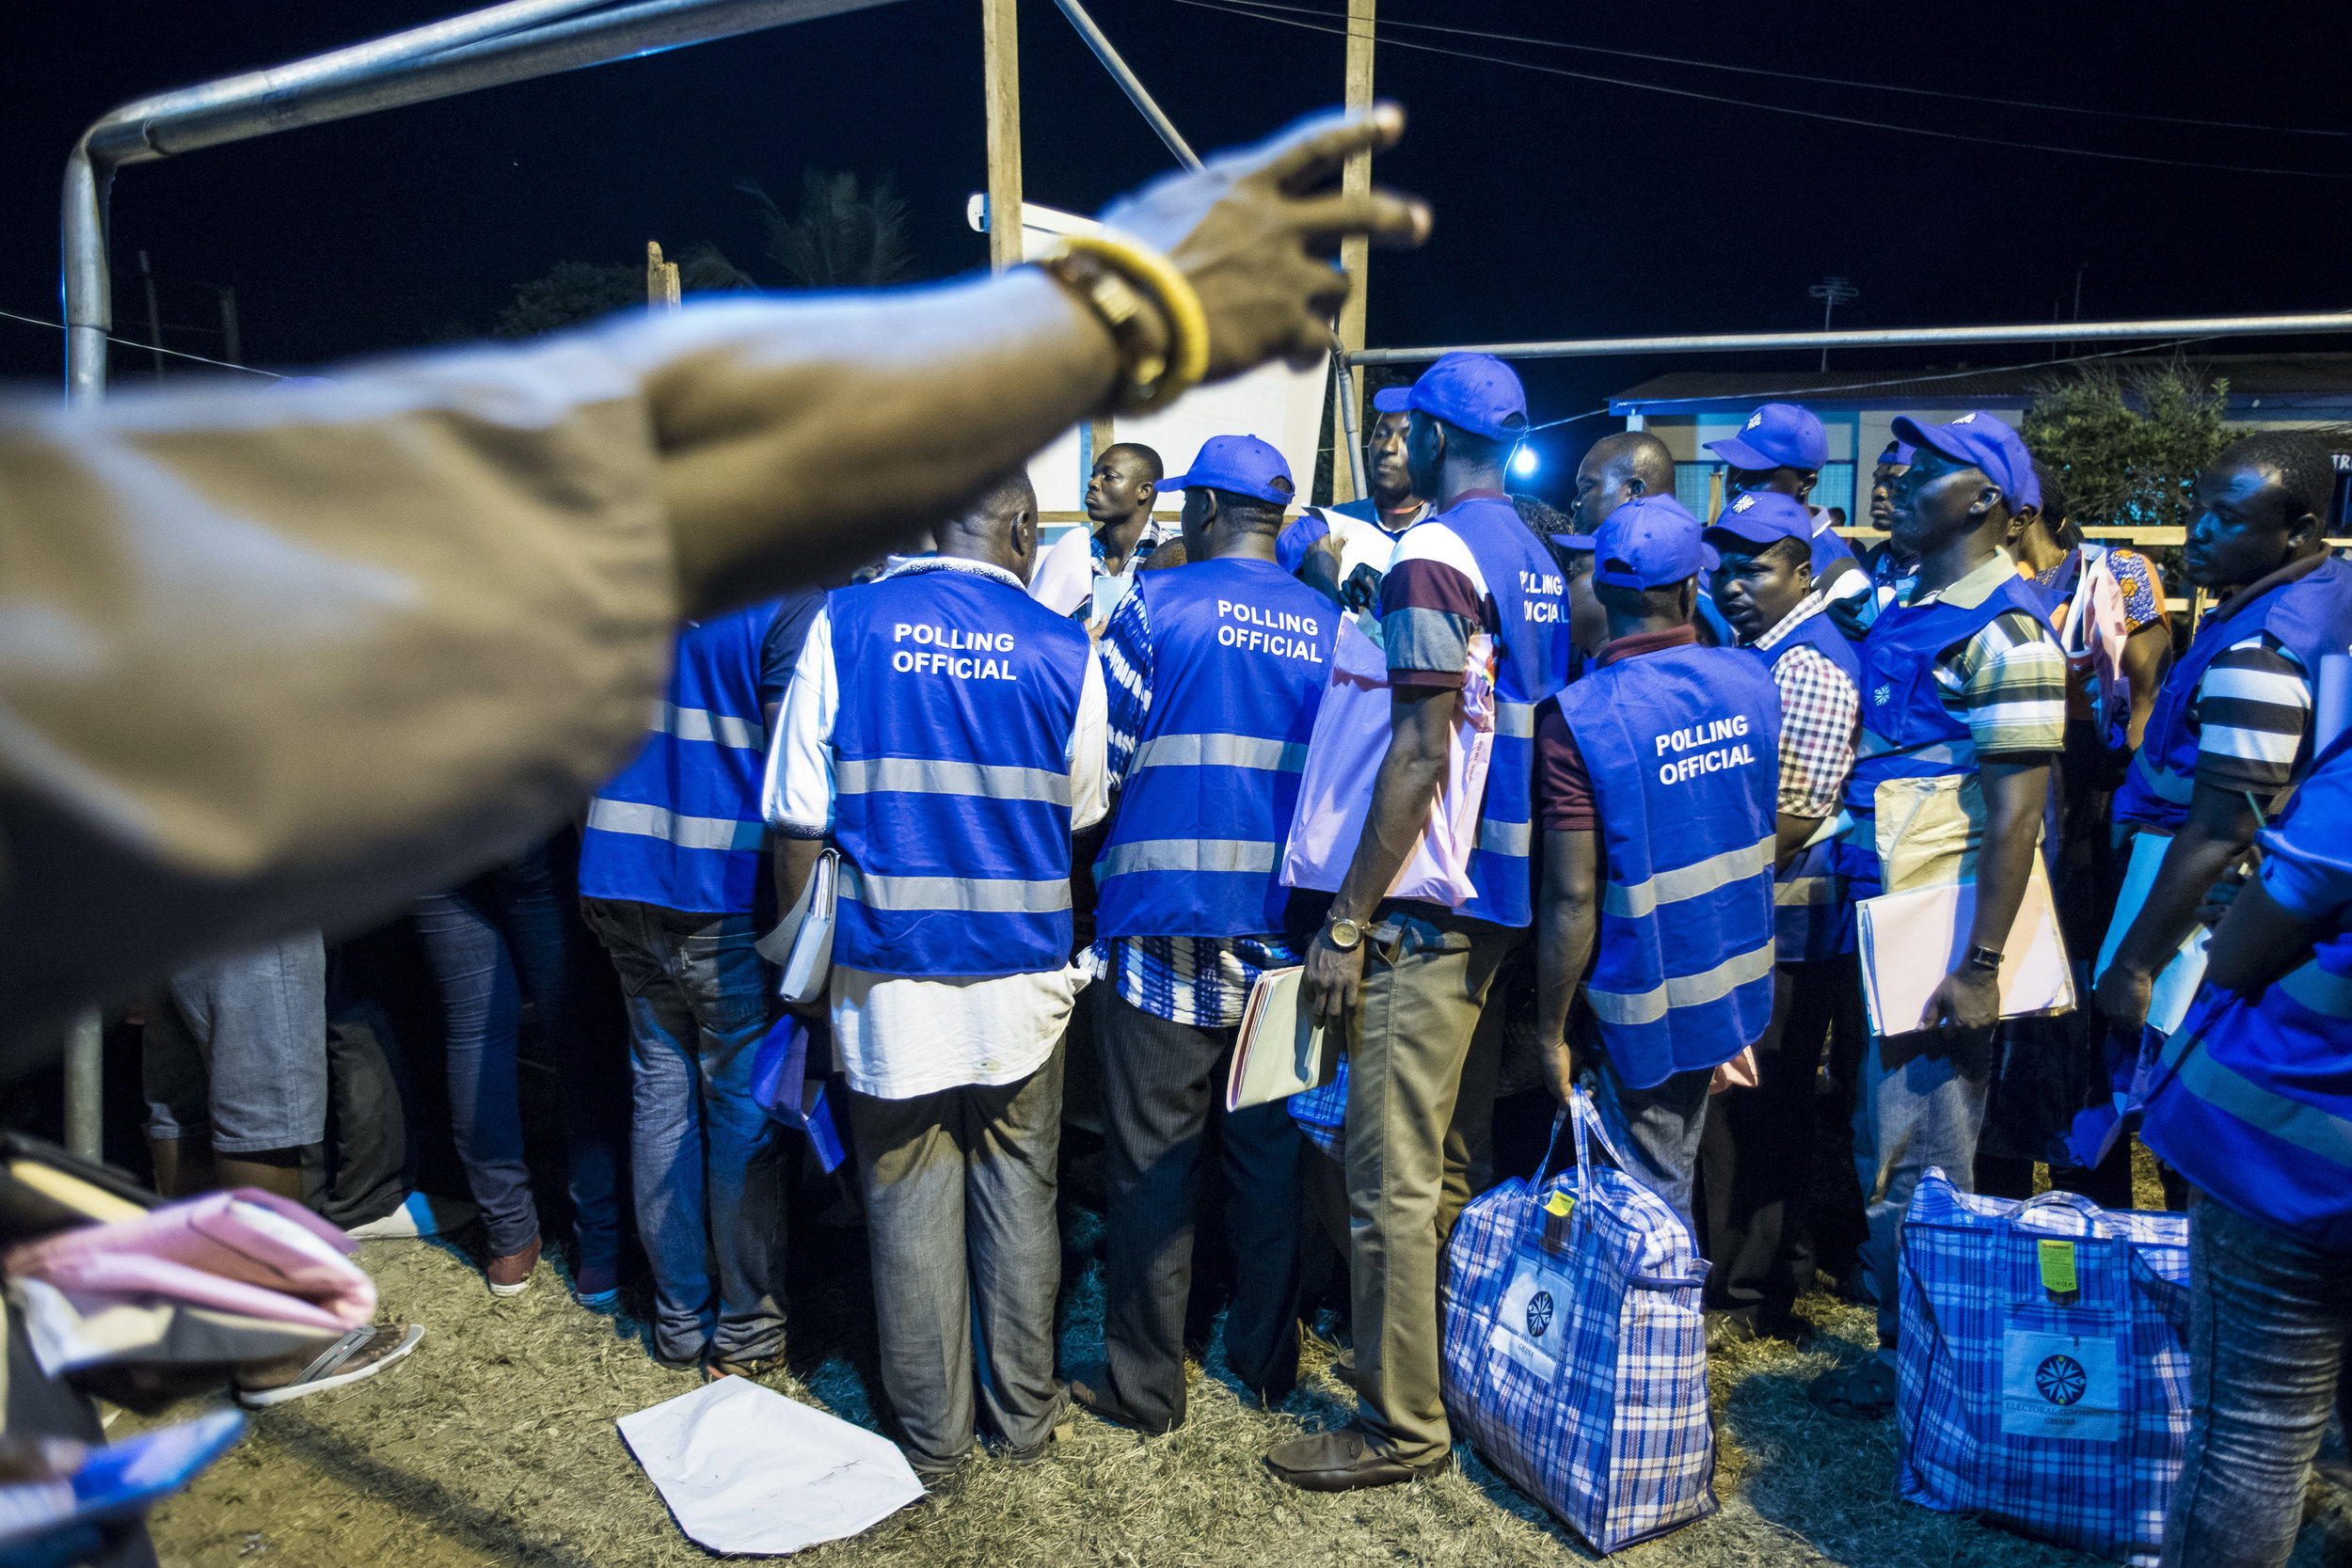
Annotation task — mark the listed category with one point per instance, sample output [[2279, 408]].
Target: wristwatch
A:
[[1345, 934], [1985, 958]]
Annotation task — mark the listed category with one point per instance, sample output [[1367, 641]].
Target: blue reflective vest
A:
[[1907, 733], [1808, 897], [2253, 1100], [1532, 603], [1241, 652], [2312, 615], [1683, 749], [951, 774], [680, 826]]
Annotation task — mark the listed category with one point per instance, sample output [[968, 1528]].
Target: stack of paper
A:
[[802, 943], [1280, 1050], [2177, 983], [1911, 941]]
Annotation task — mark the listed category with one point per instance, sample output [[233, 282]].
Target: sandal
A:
[[1866, 1391], [360, 1353]]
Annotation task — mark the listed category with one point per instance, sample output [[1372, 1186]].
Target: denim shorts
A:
[[236, 1050]]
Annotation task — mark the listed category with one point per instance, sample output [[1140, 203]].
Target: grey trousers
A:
[[960, 1189], [238, 1051]]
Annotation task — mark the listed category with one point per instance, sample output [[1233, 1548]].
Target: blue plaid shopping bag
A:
[[2044, 1365], [1575, 1352]]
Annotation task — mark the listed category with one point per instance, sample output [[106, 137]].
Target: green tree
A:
[[841, 238], [569, 293], [2128, 444]]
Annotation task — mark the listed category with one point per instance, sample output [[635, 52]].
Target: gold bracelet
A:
[[1161, 357]]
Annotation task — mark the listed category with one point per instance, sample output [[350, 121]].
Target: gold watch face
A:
[[1345, 934]]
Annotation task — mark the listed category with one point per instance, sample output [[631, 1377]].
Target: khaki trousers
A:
[[1422, 1056]]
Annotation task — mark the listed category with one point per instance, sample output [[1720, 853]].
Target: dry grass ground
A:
[[496, 1444]]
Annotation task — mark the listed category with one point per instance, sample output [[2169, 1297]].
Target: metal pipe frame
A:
[[511, 42], [1905, 337], [1128, 83]]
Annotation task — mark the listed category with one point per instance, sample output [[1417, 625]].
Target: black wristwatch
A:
[[1988, 958]]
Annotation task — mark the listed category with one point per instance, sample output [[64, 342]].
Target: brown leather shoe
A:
[[1343, 1461], [511, 1274]]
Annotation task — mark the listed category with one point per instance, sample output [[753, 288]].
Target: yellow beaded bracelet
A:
[[1154, 369]]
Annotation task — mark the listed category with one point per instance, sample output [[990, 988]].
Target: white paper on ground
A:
[[2177, 983], [745, 1470]]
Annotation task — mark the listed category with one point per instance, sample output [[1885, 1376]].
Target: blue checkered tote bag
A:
[[1575, 1352], [2044, 1365]]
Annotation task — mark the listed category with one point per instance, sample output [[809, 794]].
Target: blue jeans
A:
[[708, 1168], [1920, 1104], [2270, 1316], [1657, 1130], [513, 932], [238, 1051]]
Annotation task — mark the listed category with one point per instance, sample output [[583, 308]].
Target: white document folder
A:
[[1280, 1050], [802, 943], [2176, 985], [1911, 941]]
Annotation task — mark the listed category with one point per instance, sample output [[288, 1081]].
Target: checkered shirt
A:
[[1820, 718]]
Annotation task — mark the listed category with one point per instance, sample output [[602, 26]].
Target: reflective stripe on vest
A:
[[1515, 720], [719, 729], [687, 832], [931, 776], [1236, 656], [951, 795], [1689, 882], [2295, 1121], [1805, 891], [1683, 990], [1506, 838], [2176, 788]]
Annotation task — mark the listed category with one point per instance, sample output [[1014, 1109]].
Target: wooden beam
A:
[[1000, 61], [661, 289], [1354, 254]]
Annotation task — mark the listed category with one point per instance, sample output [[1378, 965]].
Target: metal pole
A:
[[233, 347], [1354, 259], [1345, 392], [1921, 337], [461, 55], [86, 1085], [154, 315], [1127, 82]]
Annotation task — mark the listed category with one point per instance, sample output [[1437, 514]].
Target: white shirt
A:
[[896, 1036]]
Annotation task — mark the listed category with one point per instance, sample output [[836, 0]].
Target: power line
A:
[[148, 348], [1238, 9], [1825, 81]]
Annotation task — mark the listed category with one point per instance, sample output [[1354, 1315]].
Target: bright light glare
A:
[[1523, 461]]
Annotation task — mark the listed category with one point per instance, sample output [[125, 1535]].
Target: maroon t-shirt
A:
[[1565, 802]]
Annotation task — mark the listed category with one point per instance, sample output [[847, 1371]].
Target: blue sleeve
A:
[[1126, 682], [2308, 863], [780, 650], [1298, 537]]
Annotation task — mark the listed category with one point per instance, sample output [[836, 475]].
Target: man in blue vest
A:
[[1655, 776], [2252, 1104], [1964, 709], [1757, 1148], [1214, 673], [946, 731], [1423, 1018], [1781, 447], [2232, 726], [673, 880]]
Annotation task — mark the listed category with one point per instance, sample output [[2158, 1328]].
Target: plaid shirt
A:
[[1820, 718], [1202, 982]]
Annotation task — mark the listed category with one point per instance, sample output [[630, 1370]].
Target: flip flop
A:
[[1866, 1391], [326, 1371]]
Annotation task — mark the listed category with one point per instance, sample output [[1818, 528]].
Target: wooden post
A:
[[661, 291], [1000, 59], [1355, 253]]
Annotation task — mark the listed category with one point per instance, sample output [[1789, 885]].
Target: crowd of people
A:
[[1699, 745], [1073, 771]]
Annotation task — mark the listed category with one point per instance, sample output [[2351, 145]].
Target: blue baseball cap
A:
[[1242, 464], [1984, 442], [1476, 392], [1899, 452], [1777, 436], [1649, 542], [1765, 517]]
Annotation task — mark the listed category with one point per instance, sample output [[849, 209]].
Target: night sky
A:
[[1565, 208]]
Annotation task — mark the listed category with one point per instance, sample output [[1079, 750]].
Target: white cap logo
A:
[[1966, 419], [1756, 419], [1745, 501]]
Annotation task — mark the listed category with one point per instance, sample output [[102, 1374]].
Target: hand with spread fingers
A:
[[1253, 231]]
